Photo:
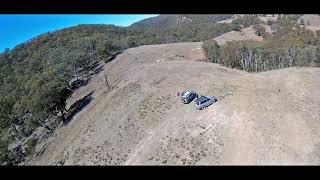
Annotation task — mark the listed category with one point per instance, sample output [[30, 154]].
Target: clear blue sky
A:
[[16, 29]]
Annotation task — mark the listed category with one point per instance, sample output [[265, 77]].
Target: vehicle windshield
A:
[[185, 94], [202, 101]]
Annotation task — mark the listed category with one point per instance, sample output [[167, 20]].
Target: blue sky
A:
[[16, 29]]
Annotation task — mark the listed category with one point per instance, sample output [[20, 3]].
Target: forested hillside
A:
[[289, 45], [39, 75], [169, 21]]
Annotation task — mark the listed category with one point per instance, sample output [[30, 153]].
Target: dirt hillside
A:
[[312, 22], [267, 17], [271, 118], [245, 34]]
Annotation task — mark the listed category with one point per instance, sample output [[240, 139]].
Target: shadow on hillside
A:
[[79, 83], [112, 56], [84, 79], [96, 70], [78, 106]]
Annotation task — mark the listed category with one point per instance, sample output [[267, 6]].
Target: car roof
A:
[[201, 98]]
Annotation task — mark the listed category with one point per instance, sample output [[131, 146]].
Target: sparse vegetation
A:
[[246, 21], [259, 29], [211, 50]]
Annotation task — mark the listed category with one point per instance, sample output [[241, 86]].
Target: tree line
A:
[[290, 45]]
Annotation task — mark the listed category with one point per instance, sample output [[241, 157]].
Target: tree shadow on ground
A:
[[79, 83], [96, 70], [112, 56], [78, 106], [85, 75]]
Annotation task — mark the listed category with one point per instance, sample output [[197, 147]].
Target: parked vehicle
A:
[[188, 96], [205, 101]]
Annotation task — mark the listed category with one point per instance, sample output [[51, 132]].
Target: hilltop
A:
[[167, 21], [312, 22], [244, 34], [271, 118]]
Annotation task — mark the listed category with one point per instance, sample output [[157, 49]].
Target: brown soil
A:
[[271, 118], [244, 34]]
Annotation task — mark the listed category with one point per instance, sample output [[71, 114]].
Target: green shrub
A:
[[3, 151], [259, 29], [211, 50], [29, 146]]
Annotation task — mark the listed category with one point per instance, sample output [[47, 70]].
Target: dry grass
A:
[[271, 118], [245, 34], [313, 19]]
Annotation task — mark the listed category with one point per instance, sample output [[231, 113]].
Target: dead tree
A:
[[107, 82]]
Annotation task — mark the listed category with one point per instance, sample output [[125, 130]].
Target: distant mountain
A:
[[166, 21]]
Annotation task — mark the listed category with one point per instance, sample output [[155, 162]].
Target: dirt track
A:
[[272, 117]]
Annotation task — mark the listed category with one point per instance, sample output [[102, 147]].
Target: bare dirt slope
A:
[[245, 34], [271, 118], [312, 22], [312, 19]]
